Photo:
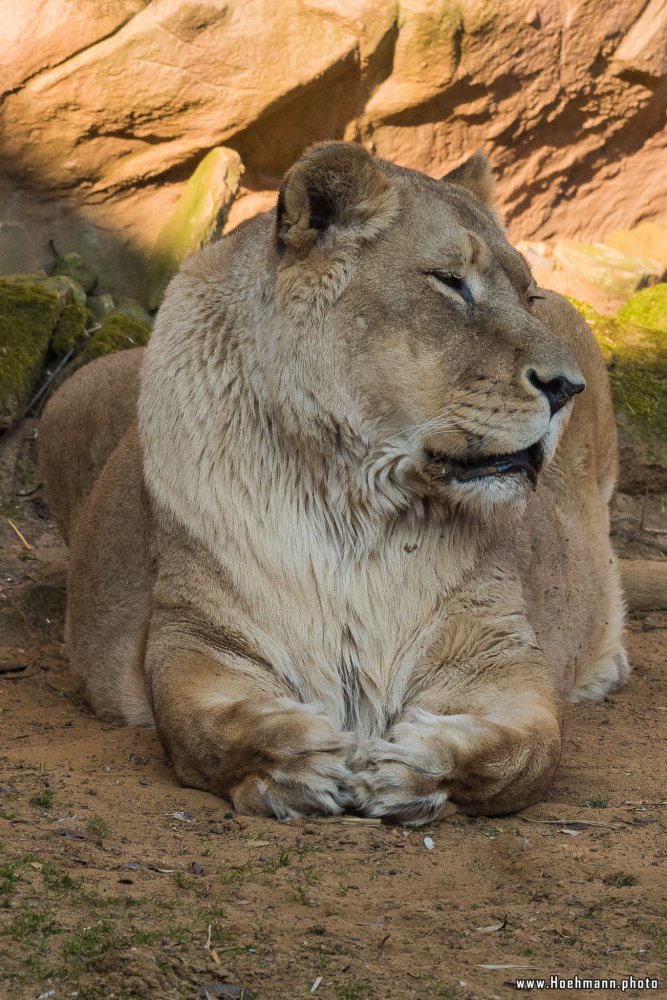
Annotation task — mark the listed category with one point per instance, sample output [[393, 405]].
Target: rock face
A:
[[108, 108]]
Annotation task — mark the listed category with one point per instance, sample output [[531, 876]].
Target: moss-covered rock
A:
[[28, 315], [101, 305], [65, 288], [647, 308], [117, 333], [636, 358], [617, 273], [199, 214], [73, 266], [69, 329], [133, 309]]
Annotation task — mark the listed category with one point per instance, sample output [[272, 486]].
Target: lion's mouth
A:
[[465, 469]]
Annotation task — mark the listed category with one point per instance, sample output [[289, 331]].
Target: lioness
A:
[[354, 553]]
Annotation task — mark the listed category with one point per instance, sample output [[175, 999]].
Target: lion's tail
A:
[[644, 583]]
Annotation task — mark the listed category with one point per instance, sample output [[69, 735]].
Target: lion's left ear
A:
[[334, 185], [475, 174]]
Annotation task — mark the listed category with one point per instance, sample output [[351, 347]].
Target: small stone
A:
[[73, 266], [101, 305], [133, 309], [620, 275]]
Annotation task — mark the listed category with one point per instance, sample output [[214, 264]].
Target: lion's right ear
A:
[[475, 174], [333, 186]]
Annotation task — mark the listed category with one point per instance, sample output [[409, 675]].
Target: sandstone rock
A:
[[109, 107], [200, 214], [617, 273], [649, 239], [644, 48]]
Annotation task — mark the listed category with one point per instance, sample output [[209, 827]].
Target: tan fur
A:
[[281, 564]]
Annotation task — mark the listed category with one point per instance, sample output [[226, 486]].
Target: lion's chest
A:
[[353, 635]]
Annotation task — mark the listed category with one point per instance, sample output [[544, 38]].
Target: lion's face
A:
[[433, 321]]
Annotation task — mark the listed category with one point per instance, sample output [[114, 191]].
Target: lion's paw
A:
[[403, 778], [309, 776]]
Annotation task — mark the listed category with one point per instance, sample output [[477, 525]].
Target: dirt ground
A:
[[116, 882]]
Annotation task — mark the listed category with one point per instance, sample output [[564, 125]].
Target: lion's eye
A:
[[533, 296], [456, 282]]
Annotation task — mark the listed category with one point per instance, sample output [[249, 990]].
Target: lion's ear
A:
[[333, 185], [475, 174]]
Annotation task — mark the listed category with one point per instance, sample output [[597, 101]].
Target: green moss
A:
[[69, 329], [647, 308], [74, 266], [205, 198], [28, 314], [636, 358], [117, 333]]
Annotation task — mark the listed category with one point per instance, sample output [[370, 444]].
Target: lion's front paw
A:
[[306, 774], [485, 767], [402, 778]]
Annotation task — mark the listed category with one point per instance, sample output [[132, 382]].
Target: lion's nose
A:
[[557, 390]]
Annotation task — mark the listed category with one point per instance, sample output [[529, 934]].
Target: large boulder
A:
[[108, 108]]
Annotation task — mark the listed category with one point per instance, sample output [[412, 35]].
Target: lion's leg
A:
[[81, 426], [233, 728], [483, 731], [109, 591]]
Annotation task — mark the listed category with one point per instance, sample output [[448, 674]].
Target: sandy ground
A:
[[116, 882]]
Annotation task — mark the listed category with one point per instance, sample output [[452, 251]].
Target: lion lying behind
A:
[[354, 552]]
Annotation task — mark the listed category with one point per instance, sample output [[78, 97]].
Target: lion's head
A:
[[408, 318]]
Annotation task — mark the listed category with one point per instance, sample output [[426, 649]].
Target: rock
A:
[[647, 308], [644, 48], [636, 358], [73, 266], [16, 250], [64, 287], [617, 273], [649, 239], [101, 305], [538, 256], [200, 213], [133, 309], [108, 106], [28, 315], [69, 329], [117, 333]]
